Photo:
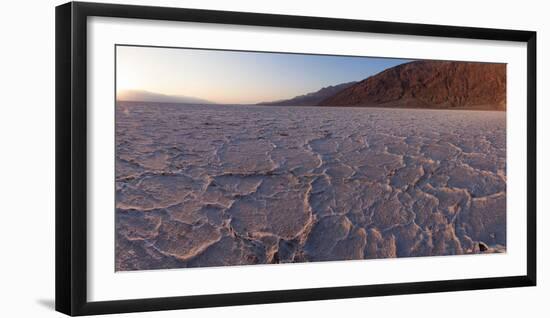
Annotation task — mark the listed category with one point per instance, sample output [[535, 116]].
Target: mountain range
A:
[[429, 84], [146, 96], [311, 99], [418, 84]]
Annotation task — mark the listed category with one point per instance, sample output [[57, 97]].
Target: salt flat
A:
[[232, 185]]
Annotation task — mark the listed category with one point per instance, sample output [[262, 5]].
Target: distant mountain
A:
[[429, 84], [310, 99], [145, 96]]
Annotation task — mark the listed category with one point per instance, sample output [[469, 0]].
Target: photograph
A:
[[275, 159], [226, 157]]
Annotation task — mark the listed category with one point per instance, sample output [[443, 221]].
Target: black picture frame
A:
[[71, 157]]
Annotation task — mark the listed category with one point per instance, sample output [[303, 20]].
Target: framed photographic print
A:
[[209, 158]]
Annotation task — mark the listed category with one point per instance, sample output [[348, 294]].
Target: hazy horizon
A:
[[235, 77]]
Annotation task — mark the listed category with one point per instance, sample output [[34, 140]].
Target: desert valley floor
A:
[[233, 185]]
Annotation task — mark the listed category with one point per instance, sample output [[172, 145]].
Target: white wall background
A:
[[27, 157]]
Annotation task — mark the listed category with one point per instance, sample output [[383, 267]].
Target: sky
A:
[[237, 77]]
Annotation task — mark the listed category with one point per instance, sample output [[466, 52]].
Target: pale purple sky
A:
[[237, 76]]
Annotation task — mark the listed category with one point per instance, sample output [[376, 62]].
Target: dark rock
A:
[[429, 84], [483, 247]]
